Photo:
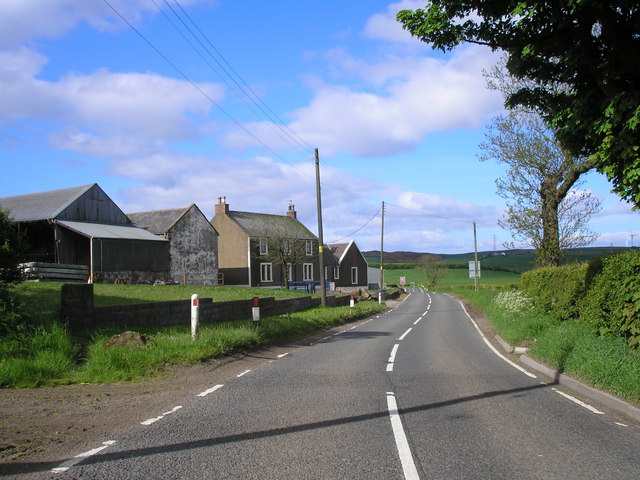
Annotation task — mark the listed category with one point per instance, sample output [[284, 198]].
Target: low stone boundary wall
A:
[[78, 308]]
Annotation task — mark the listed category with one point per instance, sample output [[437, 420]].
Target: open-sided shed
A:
[[83, 226]]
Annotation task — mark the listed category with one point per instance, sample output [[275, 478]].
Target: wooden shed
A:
[[82, 226]]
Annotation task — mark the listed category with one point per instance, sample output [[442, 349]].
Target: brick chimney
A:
[[291, 212], [222, 207]]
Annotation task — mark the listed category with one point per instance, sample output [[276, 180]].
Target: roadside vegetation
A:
[[42, 351], [582, 319]]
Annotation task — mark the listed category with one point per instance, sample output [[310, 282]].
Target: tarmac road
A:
[[414, 393]]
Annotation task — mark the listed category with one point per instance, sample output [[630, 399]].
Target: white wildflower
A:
[[514, 301]]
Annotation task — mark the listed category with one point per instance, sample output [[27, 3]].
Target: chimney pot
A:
[[222, 207]]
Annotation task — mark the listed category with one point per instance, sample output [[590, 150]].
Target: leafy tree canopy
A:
[[589, 48]]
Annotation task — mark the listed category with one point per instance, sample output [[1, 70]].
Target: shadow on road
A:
[[11, 469]]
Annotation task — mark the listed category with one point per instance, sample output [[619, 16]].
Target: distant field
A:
[[516, 260], [454, 277]]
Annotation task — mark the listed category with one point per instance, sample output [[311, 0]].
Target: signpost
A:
[[472, 269]]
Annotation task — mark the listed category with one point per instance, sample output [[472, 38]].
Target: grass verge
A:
[[570, 346], [48, 354]]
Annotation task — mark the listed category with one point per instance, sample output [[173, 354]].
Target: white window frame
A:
[[266, 272], [308, 245], [336, 273], [354, 275], [289, 272], [263, 246], [307, 272], [286, 247]]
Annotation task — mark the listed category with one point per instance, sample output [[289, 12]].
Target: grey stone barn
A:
[[82, 226], [193, 242], [350, 268]]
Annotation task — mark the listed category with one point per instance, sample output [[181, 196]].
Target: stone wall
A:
[[78, 308]]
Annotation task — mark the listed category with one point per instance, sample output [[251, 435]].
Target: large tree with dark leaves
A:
[[589, 48]]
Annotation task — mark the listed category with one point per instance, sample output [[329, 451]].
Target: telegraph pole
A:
[[381, 294], [475, 257], [323, 284]]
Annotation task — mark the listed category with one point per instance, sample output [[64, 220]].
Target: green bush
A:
[[557, 290], [612, 305]]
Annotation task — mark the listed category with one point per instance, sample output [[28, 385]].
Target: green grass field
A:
[[454, 277]]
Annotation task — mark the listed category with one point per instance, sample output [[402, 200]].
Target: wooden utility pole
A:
[[323, 283], [380, 299], [476, 280]]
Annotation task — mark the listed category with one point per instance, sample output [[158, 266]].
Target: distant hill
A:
[[511, 260]]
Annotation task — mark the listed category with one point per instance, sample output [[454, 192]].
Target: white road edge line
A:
[[417, 321], [514, 365], [282, 355], [405, 334], [579, 402], [65, 466], [243, 373], [408, 465], [210, 390]]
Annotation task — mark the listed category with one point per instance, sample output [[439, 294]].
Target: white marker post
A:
[[195, 316], [352, 301], [255, 310]]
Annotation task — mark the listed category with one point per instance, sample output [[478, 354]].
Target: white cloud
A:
[[25, 20], [408, 99], [384, 26], [104, 113]]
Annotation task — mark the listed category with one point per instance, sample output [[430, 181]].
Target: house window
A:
[[264, 247], [289, 272], [336, 273], [307, 271], [286, 248], [266, 272], [309, 246], [354, 275]]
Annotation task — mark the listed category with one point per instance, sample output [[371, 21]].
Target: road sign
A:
[[472, 270], [403, 281]]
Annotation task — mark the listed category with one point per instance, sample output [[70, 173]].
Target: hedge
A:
[[612, 305], [557, 290]]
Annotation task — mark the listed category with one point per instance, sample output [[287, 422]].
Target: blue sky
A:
[[161, 124]]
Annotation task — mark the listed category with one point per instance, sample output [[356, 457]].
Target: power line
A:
[[202, 92], [424, 214], [278, 121], [356, 231], [239, 89]]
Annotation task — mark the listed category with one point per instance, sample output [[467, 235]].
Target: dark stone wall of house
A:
[[193, 250]]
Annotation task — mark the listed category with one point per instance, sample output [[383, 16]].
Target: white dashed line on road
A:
[[80, 457], [405, 334], [408, 465], [149, 421], [210, 390]]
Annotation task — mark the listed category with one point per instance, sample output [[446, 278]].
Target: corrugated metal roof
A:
[[99, 230], [32, 207], [262, 224], [157, 221]]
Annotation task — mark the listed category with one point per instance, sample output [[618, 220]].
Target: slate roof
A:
[[261, 224], [338, 250], [158, 222], [32, 207]]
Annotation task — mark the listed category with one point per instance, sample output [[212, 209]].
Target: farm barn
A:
[[79, 233]]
